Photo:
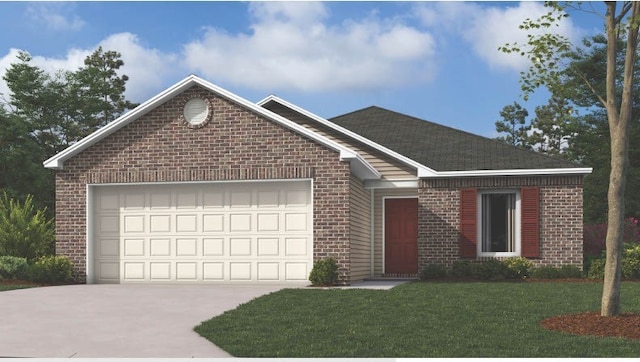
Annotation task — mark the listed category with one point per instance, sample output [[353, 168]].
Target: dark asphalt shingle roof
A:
[[439, 147]]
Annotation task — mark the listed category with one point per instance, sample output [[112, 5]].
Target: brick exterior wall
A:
[[560, 217], [236, 144]]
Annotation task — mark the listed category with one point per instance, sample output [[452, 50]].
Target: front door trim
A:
[[384, 222]]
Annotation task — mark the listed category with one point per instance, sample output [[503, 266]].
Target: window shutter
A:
[[468, 223], [530, 223]]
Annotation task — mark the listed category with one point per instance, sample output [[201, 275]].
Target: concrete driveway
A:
[[115, 320]]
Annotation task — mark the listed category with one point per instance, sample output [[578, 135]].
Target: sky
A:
[[438, 61]]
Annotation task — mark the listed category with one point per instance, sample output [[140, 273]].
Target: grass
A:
[[419, 320], [6, 287]]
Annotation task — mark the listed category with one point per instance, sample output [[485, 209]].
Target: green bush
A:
[[551, 272], [631, 261], [518, 267], [433, 271], [24, 231], [596, 270], [491, 269], [462, 269], [12, 267], [570, 271], [51, 270], [324, 272]]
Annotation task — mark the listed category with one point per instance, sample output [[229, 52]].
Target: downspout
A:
[[372, 231]]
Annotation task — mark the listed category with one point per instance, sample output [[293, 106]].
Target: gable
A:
[[167, 102]]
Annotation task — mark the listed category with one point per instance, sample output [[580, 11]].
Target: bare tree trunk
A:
[[619, 131]]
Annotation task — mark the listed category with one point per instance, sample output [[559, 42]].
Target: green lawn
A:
[[15, 286], [418, 320]]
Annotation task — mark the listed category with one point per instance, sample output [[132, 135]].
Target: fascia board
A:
[[518, 172], [423, 171]]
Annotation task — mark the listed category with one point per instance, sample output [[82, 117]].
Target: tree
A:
[[514, 124], [50, 112], [552, 127], [547, 53]]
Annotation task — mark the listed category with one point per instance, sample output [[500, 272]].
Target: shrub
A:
[[518, 267], [595, 236], [570, 271], [324, 272], [24, 231], [596, 270], [551, 272], [51, 270], [491, 269], [12, 267], [433, 271], [462, 269], [631, 261]]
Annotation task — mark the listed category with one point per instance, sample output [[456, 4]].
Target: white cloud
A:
[[147, 68], [486, 28], [291, 46], [56, 16]]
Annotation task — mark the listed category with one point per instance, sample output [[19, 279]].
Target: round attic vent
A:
[[196, 112]]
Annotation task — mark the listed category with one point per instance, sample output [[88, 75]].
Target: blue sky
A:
[[434, 60]]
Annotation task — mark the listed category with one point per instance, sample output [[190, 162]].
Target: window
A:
[[499, 223]]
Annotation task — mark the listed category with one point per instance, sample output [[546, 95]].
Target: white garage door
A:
[[220, 232]]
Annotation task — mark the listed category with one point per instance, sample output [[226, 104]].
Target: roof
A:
[[358, 165], [446, 150]]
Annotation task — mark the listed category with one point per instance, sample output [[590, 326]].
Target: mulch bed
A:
[[626, 325]]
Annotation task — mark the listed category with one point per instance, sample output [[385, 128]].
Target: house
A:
[[200, 185]]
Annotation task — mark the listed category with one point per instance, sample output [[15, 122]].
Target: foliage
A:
[[548, 53], [24, 231], [596, 269], [552, 272], [492, 269], [51, 270], [434, 271], [12, 267], [49, 112], [423, 320], [462, 269], [514, 125], [594, 236], [518, 267], [324, 272], [630, 264]]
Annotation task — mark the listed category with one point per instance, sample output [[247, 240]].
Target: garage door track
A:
[[114, 321]]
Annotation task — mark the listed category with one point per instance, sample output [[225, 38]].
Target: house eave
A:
[[513, 172]]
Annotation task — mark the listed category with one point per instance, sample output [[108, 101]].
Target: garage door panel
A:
[[213, 247], [268, 271], [203, 232], [160, 271], [134, 247], [134, 270], [186, 223], [212, 223], [160, 223], [240, 271]]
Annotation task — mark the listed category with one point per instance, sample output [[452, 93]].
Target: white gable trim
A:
[[425, 171], [359, 166]]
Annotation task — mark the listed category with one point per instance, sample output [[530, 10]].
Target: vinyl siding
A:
[[389, 168], [360, 226], [379, 194]]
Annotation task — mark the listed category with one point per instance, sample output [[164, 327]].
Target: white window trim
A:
[[518, 219]]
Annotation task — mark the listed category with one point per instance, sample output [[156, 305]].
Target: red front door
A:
[[401, 236]]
